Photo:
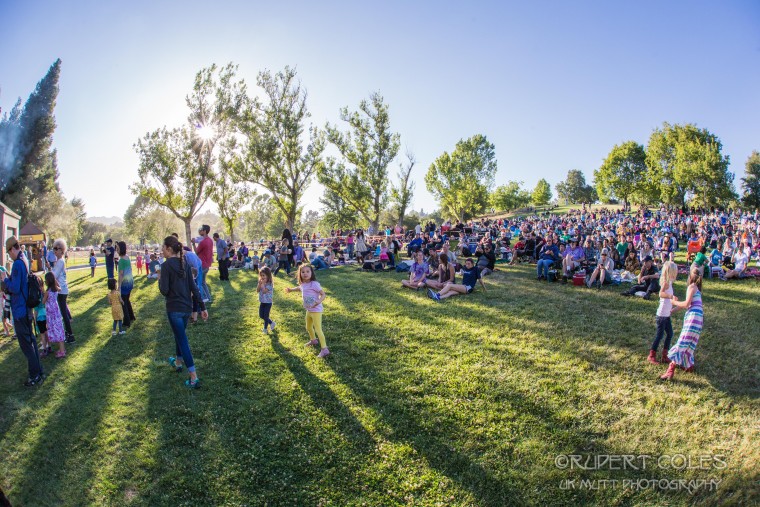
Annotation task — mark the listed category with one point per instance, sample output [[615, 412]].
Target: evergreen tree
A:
[[28, 165]]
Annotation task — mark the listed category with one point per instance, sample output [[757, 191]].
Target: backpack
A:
[[34, 294]]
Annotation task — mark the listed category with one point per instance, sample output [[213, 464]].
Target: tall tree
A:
[[277, 155], [254, 220], [367, 148], [28, 165], [751, 181], [510, 196], [688, 162], [146, 222], [337, 214], [177, 165], [461, 181], [402, 193], [542, 194], [81, 215], [574, 189], [622, 172], [229, 194]]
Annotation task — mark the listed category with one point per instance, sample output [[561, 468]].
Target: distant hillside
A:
[[105, 220]]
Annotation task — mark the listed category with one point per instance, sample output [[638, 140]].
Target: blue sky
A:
[[554, 85]]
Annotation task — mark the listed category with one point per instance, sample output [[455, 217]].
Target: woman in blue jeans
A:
[[548, 255], [176, 283]]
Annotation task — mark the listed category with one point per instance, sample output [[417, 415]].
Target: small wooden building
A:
[[9, 226]]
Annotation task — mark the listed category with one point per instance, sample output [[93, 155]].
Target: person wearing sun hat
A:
[[16, 285]]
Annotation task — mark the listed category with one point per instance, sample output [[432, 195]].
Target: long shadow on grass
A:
[[15, 362], [564, 432], [410, 419], [67, 440], [623, 325], [242, 438]]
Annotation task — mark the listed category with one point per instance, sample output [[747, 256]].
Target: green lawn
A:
[[465, 402]]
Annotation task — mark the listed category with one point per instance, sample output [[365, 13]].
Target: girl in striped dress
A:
[[682, 353]]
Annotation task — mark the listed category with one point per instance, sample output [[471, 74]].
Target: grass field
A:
[[465, 402]]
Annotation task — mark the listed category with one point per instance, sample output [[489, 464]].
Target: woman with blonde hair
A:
[[59, 270]]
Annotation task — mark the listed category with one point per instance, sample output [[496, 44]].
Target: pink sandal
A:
[[60, 354]]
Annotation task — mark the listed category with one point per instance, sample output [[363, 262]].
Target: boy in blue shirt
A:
[[16, 285]]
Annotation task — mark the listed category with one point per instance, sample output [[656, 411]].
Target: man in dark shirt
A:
[[486, 260], [414, 245], [108, 249], [648, 280], [222, 254]]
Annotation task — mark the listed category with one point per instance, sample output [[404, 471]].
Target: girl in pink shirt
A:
[[313, 295]]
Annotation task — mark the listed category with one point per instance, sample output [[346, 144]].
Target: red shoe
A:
[[665, 358], [671, 371], [691, 368], [652, 357]]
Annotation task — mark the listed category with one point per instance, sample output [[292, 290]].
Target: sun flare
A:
[[205, 132]]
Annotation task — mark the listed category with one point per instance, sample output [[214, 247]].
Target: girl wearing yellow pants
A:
[[313, 295]]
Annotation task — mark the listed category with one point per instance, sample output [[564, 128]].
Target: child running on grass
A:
[[682, 353], [56, 333], [664, 324], [265, 288], [117, 311], [313, 295]]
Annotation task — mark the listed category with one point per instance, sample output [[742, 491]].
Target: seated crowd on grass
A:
[[592, 247]]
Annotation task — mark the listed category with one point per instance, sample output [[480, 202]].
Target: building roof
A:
[[9, 211], [29, 229]]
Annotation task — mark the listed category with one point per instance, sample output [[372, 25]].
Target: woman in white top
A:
[[645, 249], [740, 260], [59, 270]]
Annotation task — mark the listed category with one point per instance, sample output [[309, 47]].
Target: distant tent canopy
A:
[[32, 237], [30, 233]]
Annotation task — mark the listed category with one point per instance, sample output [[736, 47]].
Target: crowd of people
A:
[[593, 248]]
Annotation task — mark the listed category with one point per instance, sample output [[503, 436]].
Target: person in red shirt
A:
[[205, 251]]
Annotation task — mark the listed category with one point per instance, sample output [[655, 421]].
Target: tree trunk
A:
[[188, 233], [230, 226], [290, 220]]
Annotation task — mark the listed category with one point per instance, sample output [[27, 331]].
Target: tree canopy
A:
[[176, 166], [461, 180], [510, 196], [542, 194], [367, 147], [278, 155], [28, 163], [402, 193], [622, 172], [688, 163], [751, 181], [574, 189]]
